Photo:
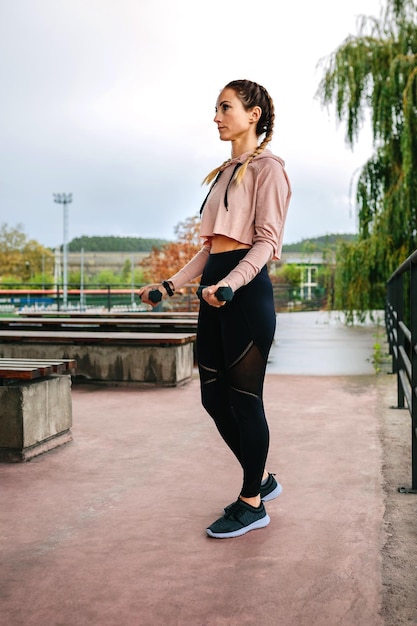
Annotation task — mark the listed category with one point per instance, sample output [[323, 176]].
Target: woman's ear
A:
[[255, 114]]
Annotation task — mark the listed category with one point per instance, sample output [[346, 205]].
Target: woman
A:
[[242, 223]]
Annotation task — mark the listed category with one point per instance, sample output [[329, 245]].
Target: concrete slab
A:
[[110, 529]]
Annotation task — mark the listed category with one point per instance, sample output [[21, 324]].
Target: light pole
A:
[[133, 281], [82, 281], [65, 199]]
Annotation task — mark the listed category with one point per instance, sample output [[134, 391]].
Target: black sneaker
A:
[[239, 519], [271, 489]]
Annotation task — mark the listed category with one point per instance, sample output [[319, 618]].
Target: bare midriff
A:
[[221, 243]]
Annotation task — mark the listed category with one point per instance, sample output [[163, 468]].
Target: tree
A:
[[21, 257], [12, 241], [107, 277], [288, 275], [164, 262], [36, 260], [376, 72], [126, 271]]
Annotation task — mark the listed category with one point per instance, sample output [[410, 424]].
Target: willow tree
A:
[[375, 74]]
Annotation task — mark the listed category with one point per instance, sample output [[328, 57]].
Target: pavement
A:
[[109, 530], [320, 343]]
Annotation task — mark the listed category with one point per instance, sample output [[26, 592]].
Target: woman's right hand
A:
[[209, 295], [144, 293]]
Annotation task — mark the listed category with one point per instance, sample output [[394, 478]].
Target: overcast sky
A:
[[113, 101]]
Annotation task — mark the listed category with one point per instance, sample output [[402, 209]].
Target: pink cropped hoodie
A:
[[252, 212]]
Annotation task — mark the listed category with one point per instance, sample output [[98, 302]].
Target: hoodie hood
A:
[[265, 154], [238, 162]]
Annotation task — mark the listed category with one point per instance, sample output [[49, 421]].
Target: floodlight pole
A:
[[65, 199], [133, 281]]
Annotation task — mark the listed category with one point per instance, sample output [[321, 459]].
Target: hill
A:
[[114, 244], [325, 242], [139, 244]]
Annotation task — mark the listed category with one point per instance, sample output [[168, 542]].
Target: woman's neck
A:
[[241, 147]]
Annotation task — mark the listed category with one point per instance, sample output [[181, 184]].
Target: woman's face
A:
[[232, 119]]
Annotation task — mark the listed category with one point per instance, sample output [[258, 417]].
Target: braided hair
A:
[[251, 94]]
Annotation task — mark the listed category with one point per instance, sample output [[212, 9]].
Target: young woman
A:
[[242, 223]]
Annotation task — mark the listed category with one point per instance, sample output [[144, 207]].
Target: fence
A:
[[106, 296], [25, 296], [401, 325]]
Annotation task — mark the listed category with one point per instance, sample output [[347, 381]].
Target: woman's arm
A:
[[251, 264], [192, 269], [272, 200], [185, 275]]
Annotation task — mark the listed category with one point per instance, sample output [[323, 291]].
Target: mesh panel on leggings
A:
[[246, 374]]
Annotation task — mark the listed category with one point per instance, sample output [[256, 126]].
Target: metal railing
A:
[[401, 325], [23, 296]]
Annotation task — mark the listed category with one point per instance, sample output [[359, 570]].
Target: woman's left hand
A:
[[209, 296]]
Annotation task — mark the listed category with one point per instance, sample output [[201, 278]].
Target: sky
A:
[[113, 101]]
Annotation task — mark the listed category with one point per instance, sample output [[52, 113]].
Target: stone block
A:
[[35, 416]]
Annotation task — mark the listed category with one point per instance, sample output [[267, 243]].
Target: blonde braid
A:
[[212, 175], [262, 146]]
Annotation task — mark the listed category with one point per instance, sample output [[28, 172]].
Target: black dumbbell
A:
[[223, 294], [155, 296]]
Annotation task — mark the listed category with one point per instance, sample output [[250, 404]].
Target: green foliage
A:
[[9, 280], [126, 270], [107, 277], [380, 357], [74, 279], [42, 280], [139, 276], [290, 274], [376, 71], [114, 244]]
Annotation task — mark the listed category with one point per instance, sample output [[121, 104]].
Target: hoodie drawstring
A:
[[226, 202], [209, 191]]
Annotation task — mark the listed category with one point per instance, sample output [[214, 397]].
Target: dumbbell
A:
[[155, 296], [223, 294]]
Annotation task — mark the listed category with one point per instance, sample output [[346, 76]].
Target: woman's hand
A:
[[144, 293], [208, 294]]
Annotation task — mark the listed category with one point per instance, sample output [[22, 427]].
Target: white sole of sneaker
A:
[[274, 494], [260, 523]]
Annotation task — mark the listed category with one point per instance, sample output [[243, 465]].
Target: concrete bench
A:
[[165, 359], [109, 314], [146, 323], [35, 406]]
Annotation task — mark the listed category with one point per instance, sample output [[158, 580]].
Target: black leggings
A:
[[233, 344]]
